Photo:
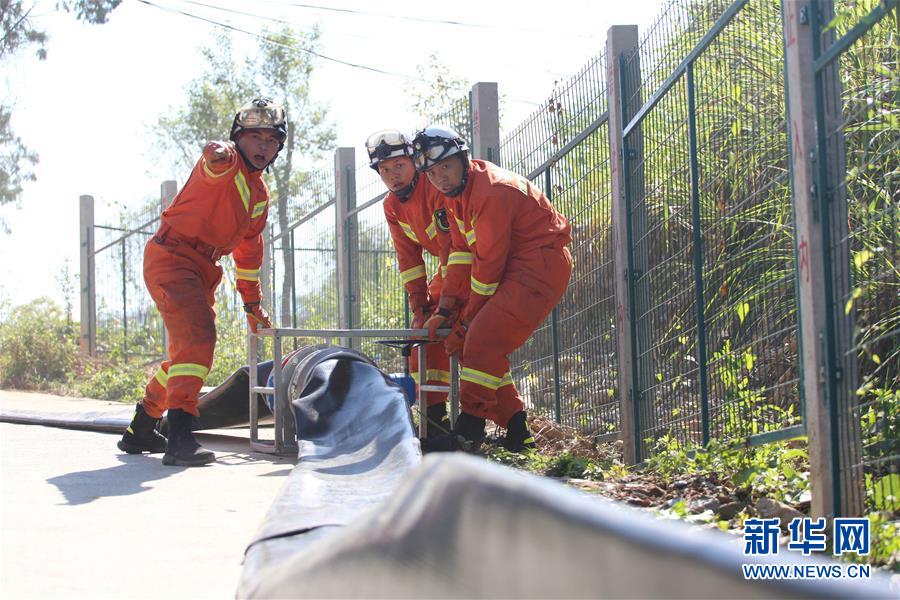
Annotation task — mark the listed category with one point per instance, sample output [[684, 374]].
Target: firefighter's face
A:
[[447, 174], [396, 172], [259, 146]]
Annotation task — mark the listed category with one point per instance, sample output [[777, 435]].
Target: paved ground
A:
[[80, 519]]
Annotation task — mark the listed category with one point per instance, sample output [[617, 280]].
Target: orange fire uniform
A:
[[417, 224], [214, 214], [506, 231]]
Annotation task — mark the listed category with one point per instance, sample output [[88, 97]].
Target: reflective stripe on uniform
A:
[[412, 274], [459, 258], [241, 183], [506, 380], [408, 231], [433, 375], [188, 370], [209, 171], [485, 289], [247, 274], [258, 209], [162, 377], [431, 230], [480, 378], [470, 237]]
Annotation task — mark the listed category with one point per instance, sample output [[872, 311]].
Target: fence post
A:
[[622, 40], [817, 170], [347, 240], [88, 342], [485, 122]]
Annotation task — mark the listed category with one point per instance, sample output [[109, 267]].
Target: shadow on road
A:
[[129, 477], [135, 471]]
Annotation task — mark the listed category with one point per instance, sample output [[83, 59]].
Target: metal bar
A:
[[554, 321], [422, 397], [865, 24], [698, 255], [573, 143], [787, 433], [293, 285], [454, 389], [108, 228], [361, 333], [254, 415], [302, 220], [278, 405], [363, 207], [701, 46], [435, 388], [821, 200], [629, 276], [133, 231], [263, 389], [124, 301]]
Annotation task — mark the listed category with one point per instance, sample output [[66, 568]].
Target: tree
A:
[[441, 98], [280, 69], [19, 32]]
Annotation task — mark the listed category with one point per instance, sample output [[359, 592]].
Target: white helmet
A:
[[435, 143], [387, 143]]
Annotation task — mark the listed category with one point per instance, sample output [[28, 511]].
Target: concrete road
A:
[[80, 519]]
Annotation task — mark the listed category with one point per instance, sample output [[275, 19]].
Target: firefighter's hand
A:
[[218, 156], [457, 338], [420, 317], [257, 316], [435, 322]]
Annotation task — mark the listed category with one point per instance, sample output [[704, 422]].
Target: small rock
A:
[[769, 508], [672, 502], [702, 505], [728, 511], [638, 501], [724, 498], [680, 484]]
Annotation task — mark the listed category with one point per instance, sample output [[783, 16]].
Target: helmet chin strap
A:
[[464, 158], [406, 191]]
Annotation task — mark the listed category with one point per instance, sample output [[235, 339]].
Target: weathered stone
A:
[[702, 505], [728, 511], [769, 508]]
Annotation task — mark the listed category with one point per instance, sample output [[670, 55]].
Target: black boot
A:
[[182, 449], [438, 423], [141, 434], [518, 436], [467, 435], [470, 428]]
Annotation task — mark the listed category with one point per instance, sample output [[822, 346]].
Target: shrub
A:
[[38, 346]]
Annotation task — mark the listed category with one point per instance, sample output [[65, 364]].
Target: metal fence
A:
[[716, 206], [711, 229], [857, 169], [568, 368]]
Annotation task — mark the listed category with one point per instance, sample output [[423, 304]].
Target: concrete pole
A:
[[820, 240], [167, 192], [621, 40], [88, 342], [347, 240], [486, 122]]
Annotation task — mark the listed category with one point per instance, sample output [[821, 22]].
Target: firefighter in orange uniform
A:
[[418, 222], [520, 268], [221, 210]]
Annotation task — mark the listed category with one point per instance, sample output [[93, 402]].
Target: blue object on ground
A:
[[407, 384]]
